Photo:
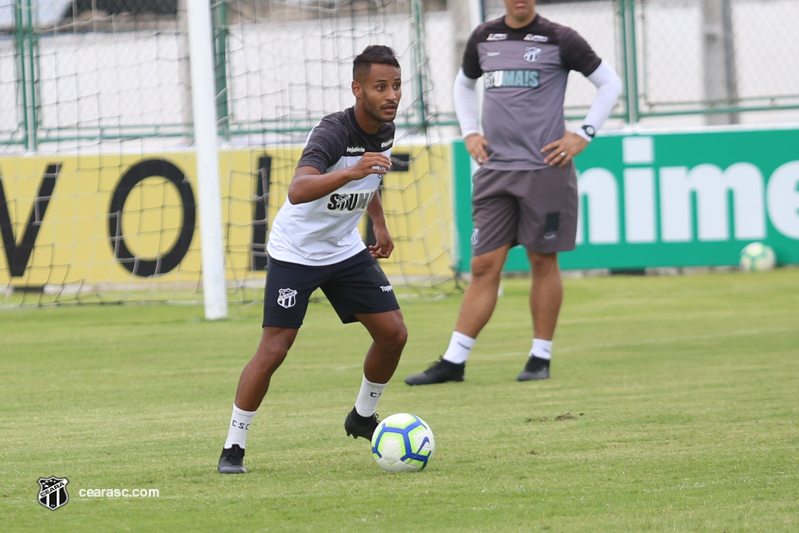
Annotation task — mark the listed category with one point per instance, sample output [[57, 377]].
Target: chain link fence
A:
[[687, 62], [118, 68]]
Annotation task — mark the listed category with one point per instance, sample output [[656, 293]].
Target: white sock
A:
[[460, 346], [541, 349], [366, 404], [239, 424]]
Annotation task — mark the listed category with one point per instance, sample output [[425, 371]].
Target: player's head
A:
[[519, 13], [377, 83], [371, 55]]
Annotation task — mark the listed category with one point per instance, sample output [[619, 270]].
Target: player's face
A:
[[379, 92], [519, 12]]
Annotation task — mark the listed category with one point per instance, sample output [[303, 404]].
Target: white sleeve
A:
[[608, 87], [466, 107]]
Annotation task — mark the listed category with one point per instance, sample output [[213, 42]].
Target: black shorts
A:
[[355, 285]]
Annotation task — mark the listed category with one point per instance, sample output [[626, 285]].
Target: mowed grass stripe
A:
[[672, 407]]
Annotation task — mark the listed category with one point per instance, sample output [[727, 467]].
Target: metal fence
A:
[[717, 58], [73, 70]]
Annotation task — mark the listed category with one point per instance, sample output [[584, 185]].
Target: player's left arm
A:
[[577, 54], [384, 245], [571, 144], [608, 89]]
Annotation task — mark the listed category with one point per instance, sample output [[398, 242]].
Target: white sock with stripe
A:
[[460, 346], [239, 424], [366, 404], [541, 349]]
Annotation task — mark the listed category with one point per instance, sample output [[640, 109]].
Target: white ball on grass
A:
[[757, 257], [403, 443]]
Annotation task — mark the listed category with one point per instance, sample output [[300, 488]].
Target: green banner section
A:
[[671, 200]]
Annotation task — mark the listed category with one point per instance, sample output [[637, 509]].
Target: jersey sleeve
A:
[[576, 53], [471, 60], [324, 147]]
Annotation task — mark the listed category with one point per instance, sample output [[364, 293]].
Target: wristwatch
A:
[[589, 130]]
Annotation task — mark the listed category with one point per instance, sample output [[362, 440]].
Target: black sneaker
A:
[[232, 461], [536, 368], [439, 371], [360, 426]]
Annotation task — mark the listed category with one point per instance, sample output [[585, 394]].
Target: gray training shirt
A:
[[524, 73]]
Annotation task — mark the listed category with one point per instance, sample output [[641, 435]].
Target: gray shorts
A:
[[534, 208]]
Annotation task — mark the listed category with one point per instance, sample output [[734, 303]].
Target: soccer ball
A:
[[403, 443], [757, 256]]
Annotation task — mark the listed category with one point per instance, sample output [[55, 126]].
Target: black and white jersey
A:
[[524, 74], [325, 231]]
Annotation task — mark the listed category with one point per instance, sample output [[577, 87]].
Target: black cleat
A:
[[536, 368], [232, 460], [360, 426], [439, 371]]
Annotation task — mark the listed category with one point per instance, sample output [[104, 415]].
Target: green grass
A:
[[673, 406]]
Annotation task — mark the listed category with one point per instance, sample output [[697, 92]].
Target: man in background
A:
[[525, 189]]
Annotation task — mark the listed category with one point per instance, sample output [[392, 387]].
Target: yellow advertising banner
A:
[[108, 219]]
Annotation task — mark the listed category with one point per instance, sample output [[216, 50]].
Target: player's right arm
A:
[[309, 184], [466, 109], [466, 102]]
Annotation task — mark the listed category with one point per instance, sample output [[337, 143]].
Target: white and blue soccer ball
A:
[[756, 257], [403, 443]]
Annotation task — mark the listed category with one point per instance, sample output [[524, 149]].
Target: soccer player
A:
[[315, 243], [525, 189]]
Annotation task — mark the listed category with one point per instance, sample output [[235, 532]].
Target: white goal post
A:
[[205, 145]]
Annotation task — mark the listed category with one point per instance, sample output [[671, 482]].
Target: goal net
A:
[[98, 187]]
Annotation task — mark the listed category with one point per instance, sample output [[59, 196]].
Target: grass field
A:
[[673, 406]]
